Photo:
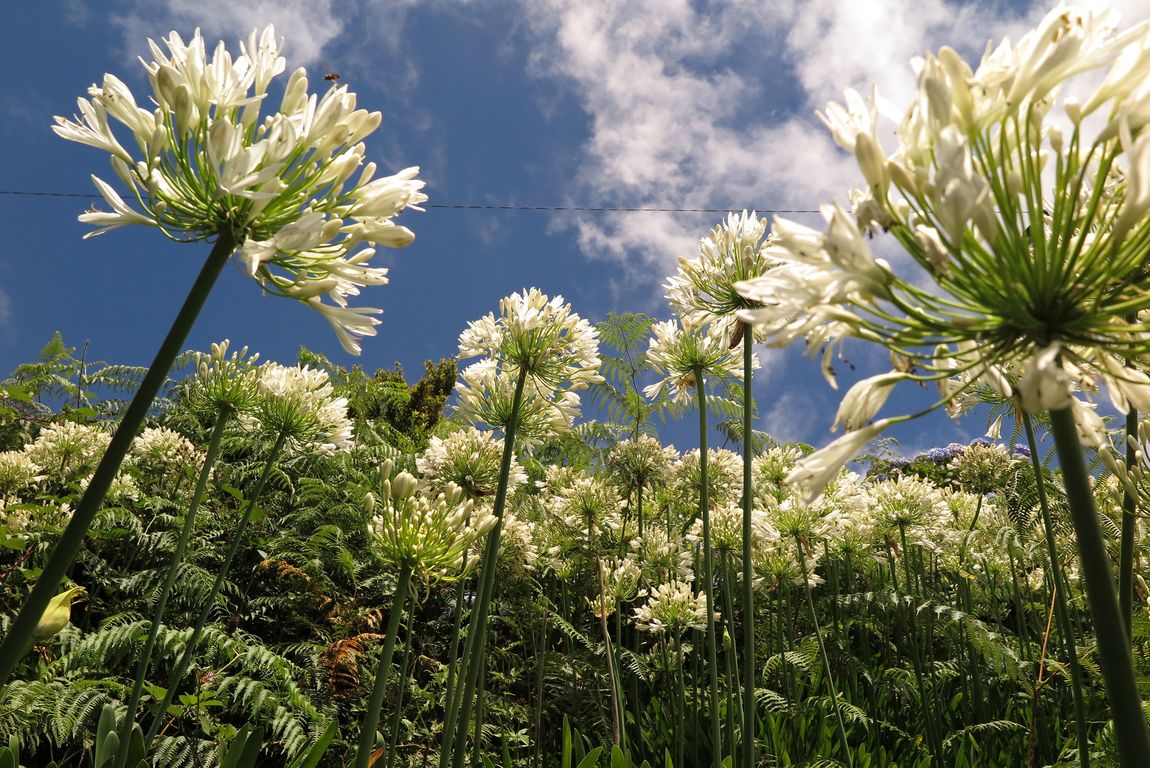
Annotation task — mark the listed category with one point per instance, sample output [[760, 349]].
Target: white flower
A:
[[300, 404], [203, 163], [812, 473], [680, 353], [863, 400], [672, 607], [470, 459], [558, 348], [17, 471], [702, 290], [431, 536]]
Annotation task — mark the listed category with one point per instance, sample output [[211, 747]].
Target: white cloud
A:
[[673, 122], [307, 26]]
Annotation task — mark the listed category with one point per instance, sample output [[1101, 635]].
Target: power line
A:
[[492, 206]]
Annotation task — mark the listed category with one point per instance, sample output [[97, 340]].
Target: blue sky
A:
[[586, 103]]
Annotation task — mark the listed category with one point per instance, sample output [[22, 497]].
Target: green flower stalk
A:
[[1028, 214], [535, 353], [425, 539], [281, 192], [296, 410], [685, 356]]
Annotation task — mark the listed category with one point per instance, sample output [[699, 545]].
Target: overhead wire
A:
[[489, 206]]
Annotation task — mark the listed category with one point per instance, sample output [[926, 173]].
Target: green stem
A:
[[608, 648], [1129, 520], [708, 577], [125, 730], [201, 621], [382, 670], [1061, 591], [1113, 648], [455, 726], [397, 721], [19, 637], [749, 667], [823, 651]]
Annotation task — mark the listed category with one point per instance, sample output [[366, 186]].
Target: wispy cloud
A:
[[306, 25], [699, 105]]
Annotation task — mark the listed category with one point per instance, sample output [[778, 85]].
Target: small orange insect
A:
[[331, 76]]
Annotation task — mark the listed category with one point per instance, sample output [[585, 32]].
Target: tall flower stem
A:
[[1129, 520], [19, 637], [749, 667], [125, 732], [382, 670], [823, 651], [708, 577], [1061, 592], [455, 725], [185, 661], [1113, 647], [617, 723]]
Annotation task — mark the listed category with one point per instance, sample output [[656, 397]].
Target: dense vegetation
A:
[[915, 603]]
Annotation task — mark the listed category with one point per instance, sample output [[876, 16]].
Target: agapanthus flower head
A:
[[202, 162], [621, 577], [726, 530], [429, 535], [672, 607], [486, 395], [470, 458], [724, 476], [984, 469], [518, 549], [223, 382], [557, 348], [769, 471], [680, 353], [67, 451], [161, 451], [298, 402], [640, 461], [1027, 223], [589, 507], [703, 289], [908, 504], [663, 557], [17, 471]]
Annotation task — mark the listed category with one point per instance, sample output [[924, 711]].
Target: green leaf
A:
[[592, 758], [310, 758]]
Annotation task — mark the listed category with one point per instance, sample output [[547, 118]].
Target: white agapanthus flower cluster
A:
[[908, 506], [223, 382], [556, 347], [724, 476], [298, 403], [680, 353], [543, 342], [703, 290], [17, 472], [469, 458], [67, 451], [428, 535], [1027, 210], [640, 461], [663, 556], [286, 188], [486, 395], [590, 507], [672, 607], [162, 451], [621, 577]]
